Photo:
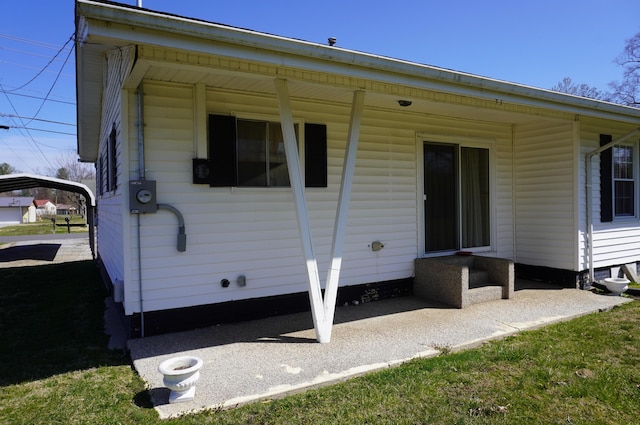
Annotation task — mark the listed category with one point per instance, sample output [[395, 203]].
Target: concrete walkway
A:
[[37, 250], [270, 358]]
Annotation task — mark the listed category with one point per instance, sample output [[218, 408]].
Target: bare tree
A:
[[67, 167], [627, 91], [568, 86]]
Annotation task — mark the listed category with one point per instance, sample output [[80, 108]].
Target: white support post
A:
[[340, 225], [297, 185], [322, 309]]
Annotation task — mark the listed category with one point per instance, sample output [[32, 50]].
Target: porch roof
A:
[[103, 26]]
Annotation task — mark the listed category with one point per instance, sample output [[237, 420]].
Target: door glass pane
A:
[[474, 197], [252, 155], [440, 205]]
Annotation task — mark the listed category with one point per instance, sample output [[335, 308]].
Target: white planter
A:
[[616, 285], [180, 375]]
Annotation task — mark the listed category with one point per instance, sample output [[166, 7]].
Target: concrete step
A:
[[484, 294], [478, 278]]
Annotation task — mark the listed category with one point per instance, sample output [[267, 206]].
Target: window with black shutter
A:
[[618, 180], [250, 153]]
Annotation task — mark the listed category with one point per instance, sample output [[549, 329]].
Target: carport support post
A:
[[322, 310]]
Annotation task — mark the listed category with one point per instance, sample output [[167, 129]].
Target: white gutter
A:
[[101, 26], [350, 62], [589, 188]]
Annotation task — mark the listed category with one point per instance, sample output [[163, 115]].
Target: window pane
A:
[[623, 162], [624, 199], [252, 155], [474, 191], [278, 172]]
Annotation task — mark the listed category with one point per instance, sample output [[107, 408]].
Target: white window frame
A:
[[635, 179]]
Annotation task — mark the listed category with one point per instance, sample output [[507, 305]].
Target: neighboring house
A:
[[45, 207], [64, 209], [17, 210], [191, 119]]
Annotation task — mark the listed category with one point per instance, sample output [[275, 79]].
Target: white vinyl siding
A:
[[253, 231], [616, 242], [545, 181], [109, 203]]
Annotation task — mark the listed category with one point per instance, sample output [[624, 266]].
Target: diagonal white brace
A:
[[297, 185], [340, 225], [322, 309]]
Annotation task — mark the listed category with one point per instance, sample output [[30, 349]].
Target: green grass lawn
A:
[[45, 227], [55, 369]]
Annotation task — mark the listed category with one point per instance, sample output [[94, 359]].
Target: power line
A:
[[52, 85], [20, 65], [36, 119], [43, 130], [26, 129], [49, 63], [32, 42], [24, 52], [41, 98]]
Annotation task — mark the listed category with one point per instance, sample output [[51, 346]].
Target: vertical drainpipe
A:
[[514, 196], [141, 176], [588, 157]]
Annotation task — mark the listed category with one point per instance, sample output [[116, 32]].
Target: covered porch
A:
[[278, 356], [385, 119]]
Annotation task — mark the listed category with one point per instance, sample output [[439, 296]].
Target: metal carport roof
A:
[[10, 182]]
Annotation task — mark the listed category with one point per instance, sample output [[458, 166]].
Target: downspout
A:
[[182, 237], [141, 169], [589, 188], [141, 175]]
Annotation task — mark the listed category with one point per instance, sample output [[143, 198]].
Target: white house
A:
[[237, 168], [45, 207], [17, 210]]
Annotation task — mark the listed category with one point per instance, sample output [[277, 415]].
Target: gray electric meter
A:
[[142, 196]]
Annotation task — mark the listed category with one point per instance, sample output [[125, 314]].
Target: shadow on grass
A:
[[51, 321], [144, 399]]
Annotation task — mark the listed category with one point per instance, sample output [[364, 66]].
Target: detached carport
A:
[[21, 181]]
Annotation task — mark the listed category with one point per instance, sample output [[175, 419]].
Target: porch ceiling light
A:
[[404, 103]]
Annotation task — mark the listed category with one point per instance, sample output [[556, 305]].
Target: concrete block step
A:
[[484, 294], [478, 278]]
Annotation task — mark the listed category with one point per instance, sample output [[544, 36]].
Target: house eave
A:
[[128, 24]]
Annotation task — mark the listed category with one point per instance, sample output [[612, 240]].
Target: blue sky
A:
[[535, 42]]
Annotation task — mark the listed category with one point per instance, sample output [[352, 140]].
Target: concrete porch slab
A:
[[271, 358]]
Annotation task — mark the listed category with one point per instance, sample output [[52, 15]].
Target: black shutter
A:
[[222, 150], [606, 183], [315, 155]]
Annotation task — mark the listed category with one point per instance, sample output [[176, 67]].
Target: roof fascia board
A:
[[310, 54]]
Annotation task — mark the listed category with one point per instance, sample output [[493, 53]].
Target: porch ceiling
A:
[[463, 108]]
